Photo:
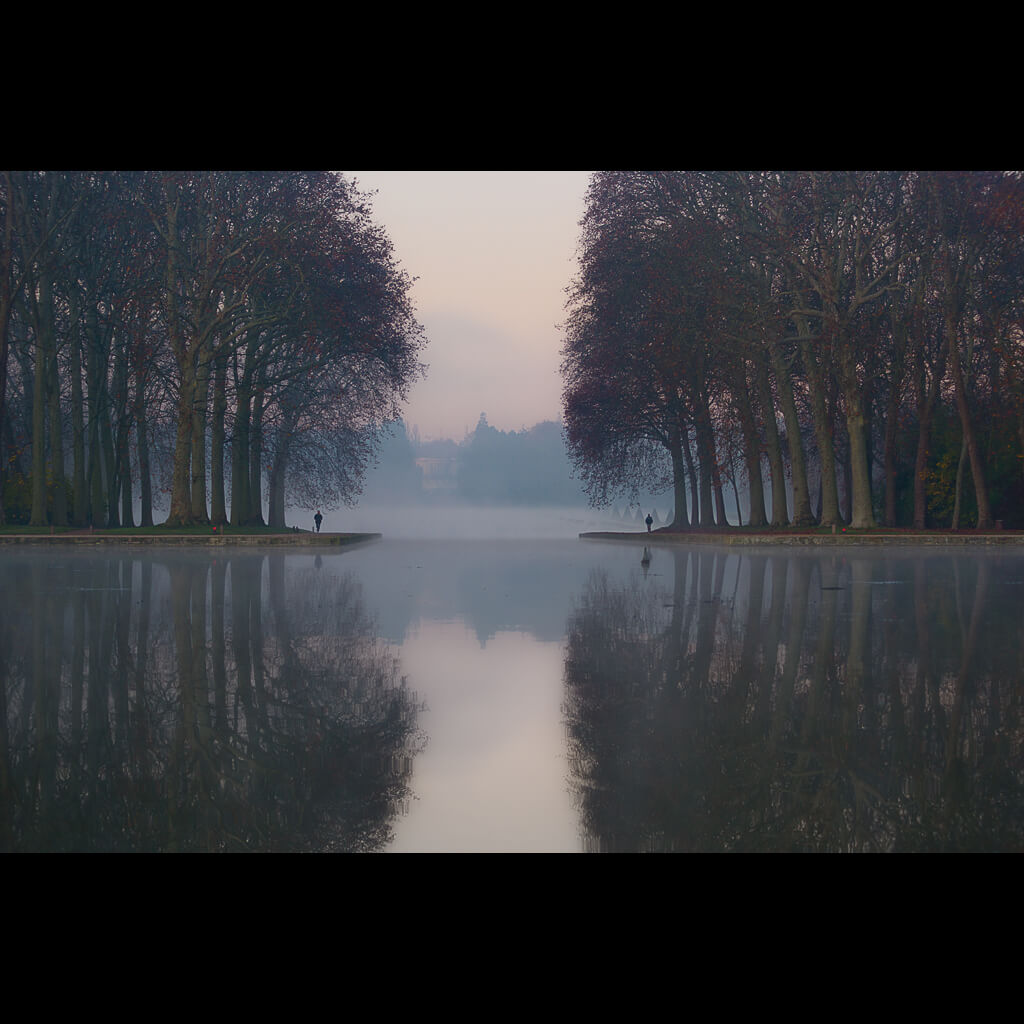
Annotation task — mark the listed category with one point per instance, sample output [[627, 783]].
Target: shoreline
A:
[[737, 539], [307, 540]]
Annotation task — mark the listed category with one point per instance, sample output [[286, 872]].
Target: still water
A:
[[516, 695]]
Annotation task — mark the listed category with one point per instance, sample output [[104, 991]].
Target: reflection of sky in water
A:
[[494, 774], [493, 586], [479, 627]]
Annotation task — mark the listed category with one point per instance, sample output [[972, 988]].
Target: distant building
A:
[[440, 476]]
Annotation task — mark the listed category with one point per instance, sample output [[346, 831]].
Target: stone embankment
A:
[[302, 540], [743, 539]]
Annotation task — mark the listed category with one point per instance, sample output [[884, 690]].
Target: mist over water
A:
[[457, 521]]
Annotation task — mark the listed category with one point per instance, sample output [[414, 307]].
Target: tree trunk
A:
[[846, 508], [802, 515], [95, 364], [60, 494], [706, 458], [735, 491], [218, 503], [780, 510], [679, 520], [901, 340], [145, 479], [1020, 434], [277, 477], [927, 396], [822, 434], [256, 460], [958, 489], [692, 473], [966, 422], [181, 497], [6, 306], [752, 457], [39, 437], [921, 471], [107, 444], [125, 475], [198, 474], [240, 460], [275, 509], [80, 497], [716, 476], [891, 416], [861, 513], [862, 516]]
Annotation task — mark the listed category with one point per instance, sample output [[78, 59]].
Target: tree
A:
[[288, 270], [639, 360]]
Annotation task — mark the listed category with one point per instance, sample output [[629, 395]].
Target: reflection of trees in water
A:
[[196, 705], [800, 703]]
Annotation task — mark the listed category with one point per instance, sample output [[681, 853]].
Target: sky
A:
[[492, 253]]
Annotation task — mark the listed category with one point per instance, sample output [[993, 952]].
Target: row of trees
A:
[[843, 330], [211, 335]]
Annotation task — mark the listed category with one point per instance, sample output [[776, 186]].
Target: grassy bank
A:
[[152, 531], [824, 536], [202, 535]]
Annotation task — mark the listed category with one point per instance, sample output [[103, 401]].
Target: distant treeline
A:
[[516, 467]]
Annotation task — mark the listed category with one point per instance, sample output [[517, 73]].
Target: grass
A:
[[136, 531], [821, 531]]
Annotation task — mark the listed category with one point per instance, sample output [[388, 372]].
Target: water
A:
[[542, 694]]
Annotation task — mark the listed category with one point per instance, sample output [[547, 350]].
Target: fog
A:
[[455, 521], [466, 522]]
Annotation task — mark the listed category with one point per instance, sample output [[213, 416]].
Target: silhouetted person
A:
[[318, 519], [649, 521]]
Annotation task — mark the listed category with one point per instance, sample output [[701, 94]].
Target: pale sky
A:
[[493, 252]]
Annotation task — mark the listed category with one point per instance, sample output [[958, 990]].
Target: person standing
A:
[[318, 519], [649, 521]]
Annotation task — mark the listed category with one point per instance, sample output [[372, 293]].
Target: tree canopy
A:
[[822, 327], [197, 337]]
